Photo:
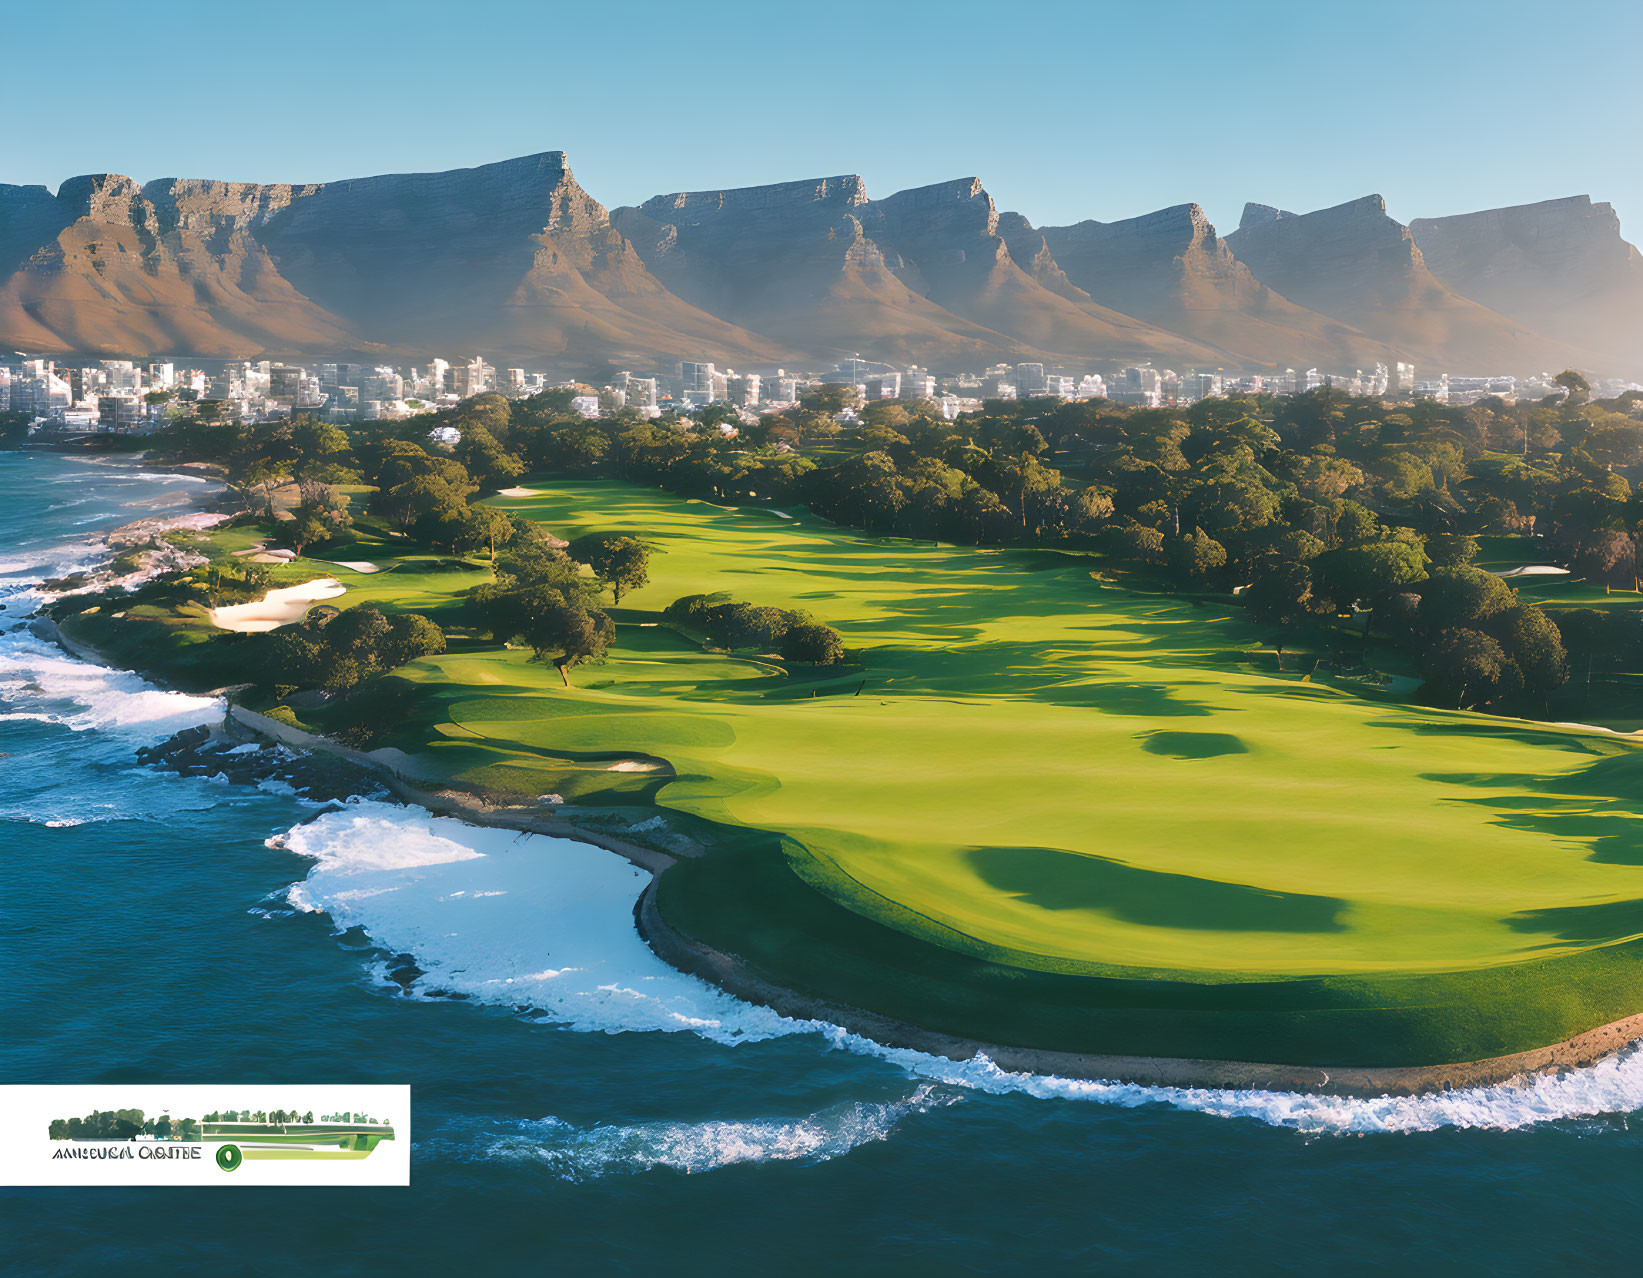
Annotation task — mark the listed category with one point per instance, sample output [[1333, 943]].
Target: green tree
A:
[[1196, 555], [622, 561], [1470, 667], [810, 642], [561, 629], [487, 526]]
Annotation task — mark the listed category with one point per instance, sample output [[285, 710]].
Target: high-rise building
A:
[[285, 383], [1196, 386], [696, 378], [1029, 379], [640, 391], [120, 411]]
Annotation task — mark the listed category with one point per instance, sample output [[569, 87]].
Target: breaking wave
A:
[[573, 1153], [545, 925]]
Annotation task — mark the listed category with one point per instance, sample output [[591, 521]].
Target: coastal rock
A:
[[205, 751]]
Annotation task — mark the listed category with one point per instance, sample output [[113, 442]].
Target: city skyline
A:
[[1466, 109]]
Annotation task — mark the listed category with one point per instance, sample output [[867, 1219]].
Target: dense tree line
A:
[[1304, 507], [1308, 509], [724, 623]]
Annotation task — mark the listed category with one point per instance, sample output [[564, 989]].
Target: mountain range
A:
[[515, 260]]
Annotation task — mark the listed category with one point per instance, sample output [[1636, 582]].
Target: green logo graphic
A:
[[242, 1133]]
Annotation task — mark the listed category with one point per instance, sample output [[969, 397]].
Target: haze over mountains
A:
[[516, 260]]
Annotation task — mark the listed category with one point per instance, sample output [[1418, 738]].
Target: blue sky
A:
[[1064, 110]]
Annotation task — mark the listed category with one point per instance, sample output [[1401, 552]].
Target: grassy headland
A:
[[1021, 790]]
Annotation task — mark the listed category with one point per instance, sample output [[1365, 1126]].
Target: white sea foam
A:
[[42, 682], [531, 921], [523, 920], [1612, 1086], [589, 1153]]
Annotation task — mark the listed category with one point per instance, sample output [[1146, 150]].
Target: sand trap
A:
[[357, 565], [517, 492], [1534, 570], [633, 765], [277, 607]]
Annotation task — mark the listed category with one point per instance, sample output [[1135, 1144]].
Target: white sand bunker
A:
[[277, 607], [633, 765], [1534, 570], [517, 492], [358, 565]]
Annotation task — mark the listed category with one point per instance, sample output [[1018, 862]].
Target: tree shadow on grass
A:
[[1055, 880], [1586, 924], [1563, 806], [1192, 745]]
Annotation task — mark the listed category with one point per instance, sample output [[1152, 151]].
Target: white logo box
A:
[[206, 1134]]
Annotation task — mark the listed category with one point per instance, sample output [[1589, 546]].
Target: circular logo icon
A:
[[229, 1157]]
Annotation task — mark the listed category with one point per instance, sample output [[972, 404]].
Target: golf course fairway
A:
[[1048, 812]]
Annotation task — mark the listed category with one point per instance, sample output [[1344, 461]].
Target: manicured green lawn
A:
[[1047, 811], [1056, 777]]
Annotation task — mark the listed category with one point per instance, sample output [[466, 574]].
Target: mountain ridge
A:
[[516, 259]]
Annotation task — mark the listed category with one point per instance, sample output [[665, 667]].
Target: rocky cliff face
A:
[[517, 261], [944, 242], [1359, 266], [513, 259], [796, 261], [107, 266], [1171, 269], [1559, 267], [921, 275]]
